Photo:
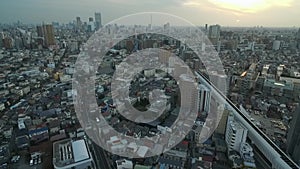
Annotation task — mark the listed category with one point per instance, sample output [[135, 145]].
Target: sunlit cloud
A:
[[241, 6], [192, 3]]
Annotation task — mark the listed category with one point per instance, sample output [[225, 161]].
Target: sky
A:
[[268, 13]]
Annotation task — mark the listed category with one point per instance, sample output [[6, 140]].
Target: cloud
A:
[[224, 12], [192, 3], [238, 6]]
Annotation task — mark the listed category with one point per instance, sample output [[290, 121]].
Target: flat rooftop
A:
[[69, 152]]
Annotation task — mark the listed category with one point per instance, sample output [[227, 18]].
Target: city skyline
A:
[[247, 13], [131, 84]]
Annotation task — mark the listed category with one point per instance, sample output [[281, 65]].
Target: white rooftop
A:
[[80, 151]]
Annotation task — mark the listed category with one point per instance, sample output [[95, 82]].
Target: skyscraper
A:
[[47, 32], [98, 20], [293, 137], [91, 24], [49, 35], [78, 23], [39, 30], [1, 39], [298, 38], [214, 33]]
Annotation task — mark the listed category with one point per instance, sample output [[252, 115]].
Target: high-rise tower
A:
[[214, 34], [98, 20], [47, 32], [78, 23]]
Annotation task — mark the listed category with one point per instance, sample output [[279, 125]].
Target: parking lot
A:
[[23, 163]]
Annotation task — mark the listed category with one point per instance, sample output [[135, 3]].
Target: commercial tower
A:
[[46, 31], [91, 24], [98, 20], [214, 34], [78, 23]]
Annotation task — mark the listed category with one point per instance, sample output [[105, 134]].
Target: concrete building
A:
[[221, 129], [204, 99], [8, 42], [218, 80], [91, 24], [164, 58], [180, 69], [190, 93], [293, 137], [70, 154], [78, 23], [281, 90], [298, 38], [276, 45], [248, 79], [98, 20], [49, 35], [46, 31], [246, 152], [214, 34], [236, 134], [124, 164]]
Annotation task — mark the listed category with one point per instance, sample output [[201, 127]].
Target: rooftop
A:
[[68, 152]]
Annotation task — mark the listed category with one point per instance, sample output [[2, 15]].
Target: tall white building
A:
[[219, 80], [204, 99], [91, 24], [236, 134], [189, 93]]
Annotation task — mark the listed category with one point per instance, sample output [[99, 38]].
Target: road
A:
[[99, 157]]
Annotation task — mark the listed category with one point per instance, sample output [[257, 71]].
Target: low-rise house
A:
[[54, 126], [22, 142], [39, 134], [7, 131]]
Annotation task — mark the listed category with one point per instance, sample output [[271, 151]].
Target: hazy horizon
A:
[[233, 13]]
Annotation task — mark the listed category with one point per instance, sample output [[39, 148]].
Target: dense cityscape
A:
[[40, 127]]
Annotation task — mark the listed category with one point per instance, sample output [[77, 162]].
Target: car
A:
[[31, 162], [14, 159], [4, 166]]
